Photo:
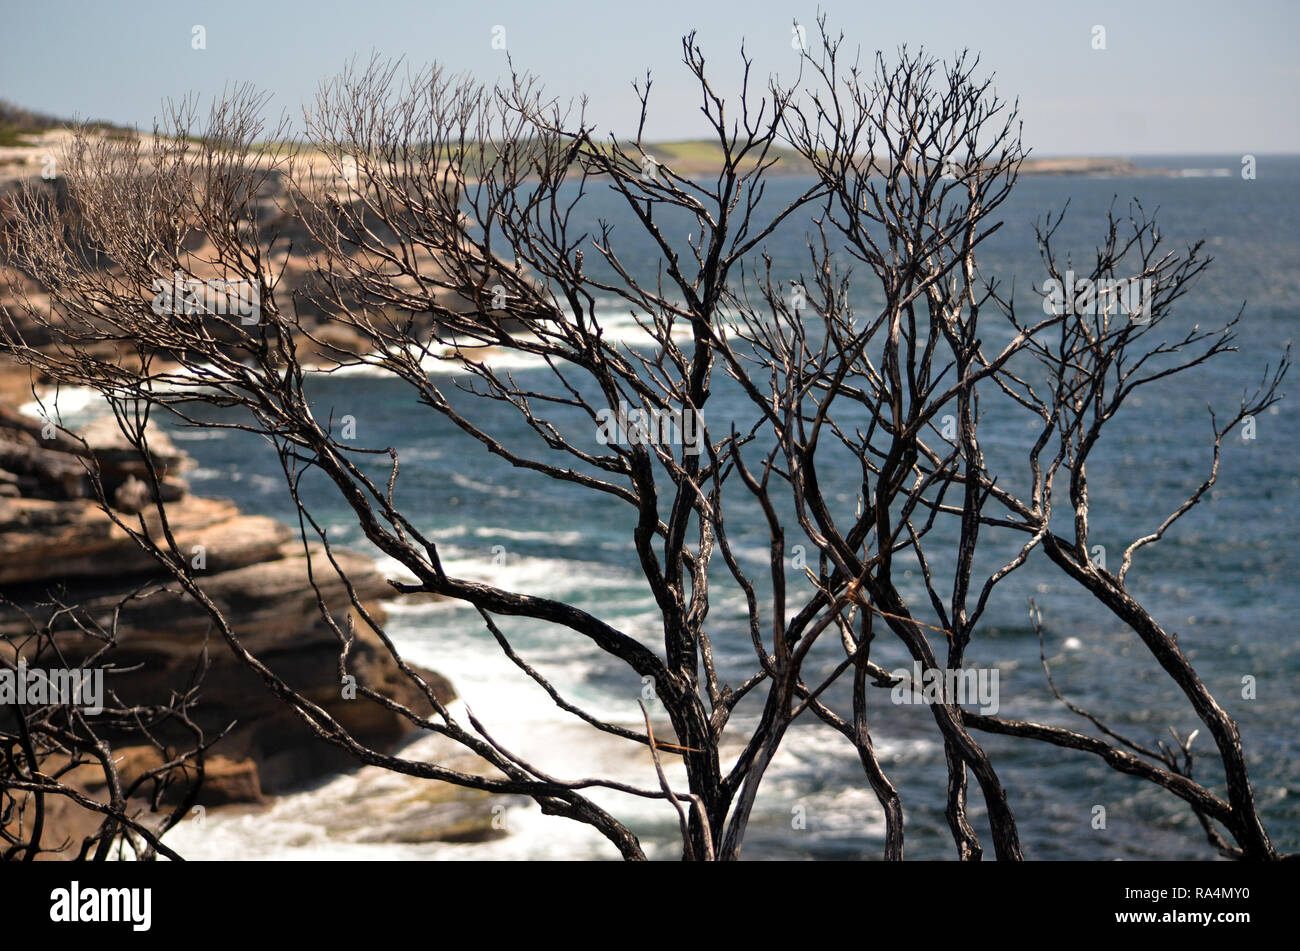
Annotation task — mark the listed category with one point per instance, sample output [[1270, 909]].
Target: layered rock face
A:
[[319, 336], [58, 545]]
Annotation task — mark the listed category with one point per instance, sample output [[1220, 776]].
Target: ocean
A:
[[1224, 578]]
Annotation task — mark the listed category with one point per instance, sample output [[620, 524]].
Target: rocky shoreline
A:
[[58, 545]]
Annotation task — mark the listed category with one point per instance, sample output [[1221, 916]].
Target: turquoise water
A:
[[1224, 579]]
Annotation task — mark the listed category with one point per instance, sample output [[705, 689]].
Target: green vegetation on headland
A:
[[18, 125], [688, 158], [692, 158]]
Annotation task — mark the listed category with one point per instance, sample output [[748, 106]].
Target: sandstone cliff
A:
[[58, 545]]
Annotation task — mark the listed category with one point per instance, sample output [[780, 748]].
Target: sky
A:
[[1174, 77]]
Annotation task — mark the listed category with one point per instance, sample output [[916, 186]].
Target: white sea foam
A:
[[71, 404], [521, 535], [487, 488], [618, 327]]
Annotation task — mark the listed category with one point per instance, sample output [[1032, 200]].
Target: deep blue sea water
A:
[[1224, 578]]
